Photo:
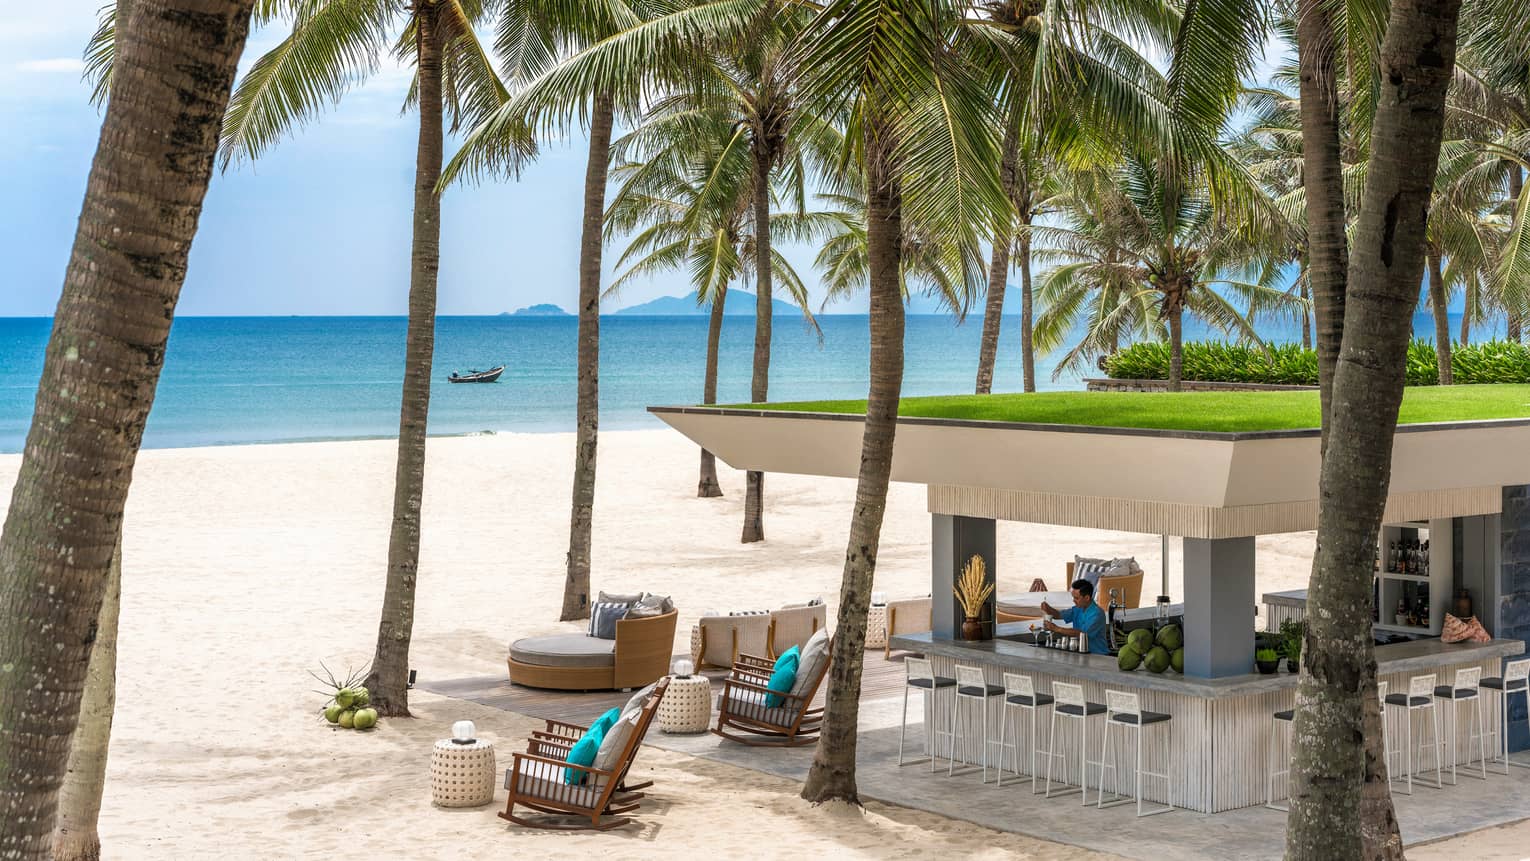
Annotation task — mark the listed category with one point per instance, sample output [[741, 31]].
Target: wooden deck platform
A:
[[880, 679]]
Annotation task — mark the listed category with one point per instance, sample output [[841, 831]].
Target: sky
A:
[[320, 225]]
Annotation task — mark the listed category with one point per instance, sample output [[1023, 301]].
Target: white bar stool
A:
[[1278, 719], [973, 687], [1462, 690], [1069, 704], [1386, 733], [920, 674], [1125, 710], [1420, 697], [1515, 680], [1020, 695]]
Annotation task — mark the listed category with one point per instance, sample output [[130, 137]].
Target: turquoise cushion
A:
[[783, 677], [583, 753], [606, 721]]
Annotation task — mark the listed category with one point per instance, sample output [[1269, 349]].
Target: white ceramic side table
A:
[[876, 626], [462, 775], [687, 705]]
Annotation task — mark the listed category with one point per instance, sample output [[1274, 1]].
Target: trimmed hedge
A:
[[1289, 364]]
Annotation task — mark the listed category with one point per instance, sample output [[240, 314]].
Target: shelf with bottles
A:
[[1413, 577], [1404, 551]]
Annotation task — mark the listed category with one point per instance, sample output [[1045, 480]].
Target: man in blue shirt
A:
[[1084, 616]]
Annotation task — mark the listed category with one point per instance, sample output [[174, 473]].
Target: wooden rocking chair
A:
[[535, 779], [742, 715]]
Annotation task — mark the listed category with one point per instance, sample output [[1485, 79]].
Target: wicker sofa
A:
[[576, 662]]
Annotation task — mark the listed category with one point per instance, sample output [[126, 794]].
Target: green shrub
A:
[[1289, 364]]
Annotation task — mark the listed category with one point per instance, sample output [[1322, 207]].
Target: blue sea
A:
[[230, 380]]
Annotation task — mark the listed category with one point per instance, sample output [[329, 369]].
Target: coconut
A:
[[332, 714], [362, 697], [1177, 660], [345, 698], [1157, 659], [1170, 637], [1128, 659], [1141, 640], [348, 718], [365, 718]]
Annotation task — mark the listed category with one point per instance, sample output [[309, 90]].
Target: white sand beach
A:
[[247, 566]]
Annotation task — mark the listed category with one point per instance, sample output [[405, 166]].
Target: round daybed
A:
[[576, 662]]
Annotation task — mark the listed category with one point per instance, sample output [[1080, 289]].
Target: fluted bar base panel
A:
[[1215, 751]]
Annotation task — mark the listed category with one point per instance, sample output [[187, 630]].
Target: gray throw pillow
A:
[[629, 600], [603, 619], [611, 747], [649, 605], [815, 653], [639, 699]]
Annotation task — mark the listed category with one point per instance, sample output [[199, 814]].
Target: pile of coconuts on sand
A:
[[349, 701]]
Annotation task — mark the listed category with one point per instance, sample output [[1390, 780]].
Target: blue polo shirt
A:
[[1090, 620]]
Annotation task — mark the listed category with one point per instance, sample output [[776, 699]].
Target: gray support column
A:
[[954, 540], [1219, 606], [1513, 609]]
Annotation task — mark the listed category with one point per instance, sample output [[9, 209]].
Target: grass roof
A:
[[1230, 412]]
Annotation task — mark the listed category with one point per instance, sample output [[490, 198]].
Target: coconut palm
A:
[[334, 45], [175, 63], [1149, 236], [687, 199]]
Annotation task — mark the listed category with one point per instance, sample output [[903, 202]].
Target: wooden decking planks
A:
[[880, 679]]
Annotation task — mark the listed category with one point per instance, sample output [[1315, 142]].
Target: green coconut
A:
[[1141, 640], [1128, 659], [332, 714], [365, 718], [345, 698], [348, 718], [1170, 637], [360, 697], [1157, 659], [1177, 661]]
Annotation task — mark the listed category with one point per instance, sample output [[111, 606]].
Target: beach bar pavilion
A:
[[1466, 483]]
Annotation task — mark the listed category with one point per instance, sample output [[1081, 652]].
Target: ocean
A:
[[230, 380]]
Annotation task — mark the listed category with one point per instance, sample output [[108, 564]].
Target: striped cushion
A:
[[748, 612], [1091, 571], [603, 618]]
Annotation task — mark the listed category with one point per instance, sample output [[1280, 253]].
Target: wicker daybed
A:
[[576, 662]]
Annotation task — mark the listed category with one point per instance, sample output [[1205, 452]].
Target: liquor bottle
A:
[[1392, 558]]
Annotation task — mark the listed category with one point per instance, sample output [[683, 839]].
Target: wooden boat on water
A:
[[475, 376]]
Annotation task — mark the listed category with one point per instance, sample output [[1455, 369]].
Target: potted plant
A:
[[1292, 632], [972, 592], [1268, 660]]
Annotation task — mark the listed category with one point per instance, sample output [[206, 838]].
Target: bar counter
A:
[[1216, 747]]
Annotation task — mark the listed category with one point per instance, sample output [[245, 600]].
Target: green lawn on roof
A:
[[1190, 411]]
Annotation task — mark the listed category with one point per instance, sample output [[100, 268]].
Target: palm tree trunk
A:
[[1176, 347], [708, 486], [174, 68], [998, 268], [1513, 325], [75, 836], [1027, 308], [1437, 304], [1305, 291], [1323, 181], [388, 682], [1466, 323], [576, 588], [832, 776], [759, 384], [1334, 812]]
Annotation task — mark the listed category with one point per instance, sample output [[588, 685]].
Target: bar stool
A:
[[973, 687], [1386, 733], [1515, 680], [1463, 689], [1125, 710], [1420, 697], [1020, 695], [921, 675], [1069, 704], [1287, 718]]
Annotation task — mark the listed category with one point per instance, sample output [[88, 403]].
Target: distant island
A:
[[740, 303], [545, 309]]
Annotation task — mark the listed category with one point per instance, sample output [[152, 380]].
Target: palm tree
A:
[[1149, 235], [687, 196], [175, 63], [333, 45]]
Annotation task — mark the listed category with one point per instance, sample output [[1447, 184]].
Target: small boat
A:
[[488, 376]]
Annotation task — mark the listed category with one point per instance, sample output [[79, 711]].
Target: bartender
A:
[[1085, 617]]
